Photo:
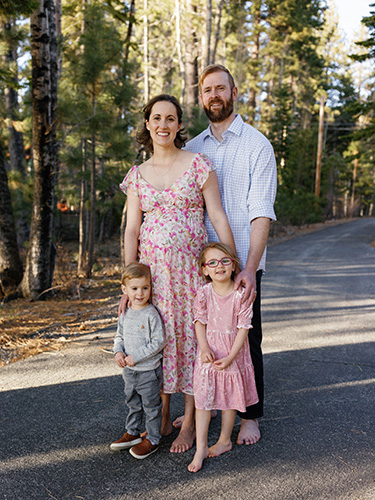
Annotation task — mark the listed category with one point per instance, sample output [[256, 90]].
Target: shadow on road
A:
[[320, 408]]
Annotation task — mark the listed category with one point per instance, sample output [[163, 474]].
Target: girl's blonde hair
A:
[[136, 270], [218, 246]]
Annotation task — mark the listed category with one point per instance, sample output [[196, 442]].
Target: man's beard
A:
[[222, 114]]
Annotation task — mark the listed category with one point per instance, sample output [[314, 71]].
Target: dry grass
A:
[[80, 306]]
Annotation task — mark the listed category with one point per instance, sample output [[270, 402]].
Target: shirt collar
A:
[[234, 128]]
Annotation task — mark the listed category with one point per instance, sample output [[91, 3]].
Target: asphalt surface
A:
[[60, 411]]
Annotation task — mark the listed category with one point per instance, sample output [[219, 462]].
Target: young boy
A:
[[138, 346]]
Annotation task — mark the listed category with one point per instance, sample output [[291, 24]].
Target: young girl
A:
[[223, 373]]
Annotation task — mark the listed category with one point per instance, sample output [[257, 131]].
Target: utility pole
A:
[[320, 147]]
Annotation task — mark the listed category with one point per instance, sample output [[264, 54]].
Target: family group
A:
[[198, 218]]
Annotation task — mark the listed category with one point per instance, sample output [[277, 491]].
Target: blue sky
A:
[[350, 14]]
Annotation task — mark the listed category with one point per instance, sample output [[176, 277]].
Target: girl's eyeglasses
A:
[[226, 261]]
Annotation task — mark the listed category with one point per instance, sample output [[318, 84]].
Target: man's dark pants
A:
[[255, 341]]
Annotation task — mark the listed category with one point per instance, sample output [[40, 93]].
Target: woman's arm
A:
[[216, 212], [133, 227]]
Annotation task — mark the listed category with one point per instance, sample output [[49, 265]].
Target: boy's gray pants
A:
[[142, 394]]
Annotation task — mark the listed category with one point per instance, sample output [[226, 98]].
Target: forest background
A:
[[74, 76]]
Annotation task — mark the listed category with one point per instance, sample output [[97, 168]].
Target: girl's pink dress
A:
[[233, 388], [172, 235]]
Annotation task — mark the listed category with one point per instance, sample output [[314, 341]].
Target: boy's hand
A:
[[207, 356], [120, 359], [222, 363], [129, 360]]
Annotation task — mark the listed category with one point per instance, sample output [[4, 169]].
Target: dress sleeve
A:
[[203, 166], [200, 307], [131, 181], [245, 313]]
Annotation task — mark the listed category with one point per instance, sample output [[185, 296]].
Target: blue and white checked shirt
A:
[[246, 169]]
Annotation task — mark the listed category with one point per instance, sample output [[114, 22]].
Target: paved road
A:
[[60, 411]]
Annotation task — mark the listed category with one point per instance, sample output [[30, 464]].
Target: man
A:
[[246, 169]]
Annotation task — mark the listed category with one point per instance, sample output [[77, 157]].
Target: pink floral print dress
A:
[[234, 387], [171, 237]]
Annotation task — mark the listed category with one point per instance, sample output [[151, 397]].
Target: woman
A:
[[171, 189]]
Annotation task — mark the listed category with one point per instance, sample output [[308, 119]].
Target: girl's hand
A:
[[207, 356], [222, 363], [120, 359]]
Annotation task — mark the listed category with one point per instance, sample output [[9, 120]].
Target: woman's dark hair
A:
[[143, 135]]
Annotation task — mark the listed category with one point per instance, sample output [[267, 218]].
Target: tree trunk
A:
[[15, 146], [320, 148], [145, 52], [10, 263], [130, 30], [254, 58], [352, 195], [178, 46], [207, 37], [122, 233], [15, 143], [218, 14], [59, 38], [38, 275], [191, 62], [82, 252], [91, 235]]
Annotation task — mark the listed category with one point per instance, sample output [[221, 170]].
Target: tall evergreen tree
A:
[[37, 279]]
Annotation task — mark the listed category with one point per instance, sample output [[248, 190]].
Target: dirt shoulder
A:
[[83, 306]]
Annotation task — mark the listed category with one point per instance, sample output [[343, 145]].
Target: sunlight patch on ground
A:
[[330, 387], [51, 458]]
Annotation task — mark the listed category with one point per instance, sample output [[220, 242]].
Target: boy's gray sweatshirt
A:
[[141, 334]]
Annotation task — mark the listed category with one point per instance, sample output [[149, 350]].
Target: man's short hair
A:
[[214, 68]]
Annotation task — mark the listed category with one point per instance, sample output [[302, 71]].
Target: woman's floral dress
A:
[[171, 237]]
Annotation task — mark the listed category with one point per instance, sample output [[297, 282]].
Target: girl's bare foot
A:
[[197, 462], [249, 432], [219, 448], [184, 441]]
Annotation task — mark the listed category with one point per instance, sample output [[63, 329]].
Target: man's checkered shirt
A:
[[246, 168]]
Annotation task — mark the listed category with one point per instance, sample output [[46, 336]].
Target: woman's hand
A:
[[123, 305]]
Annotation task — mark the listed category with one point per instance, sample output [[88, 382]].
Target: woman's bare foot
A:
[[197, 462], [166, 427], [178, 422], [184, 441], [219, 448], [249, 432]]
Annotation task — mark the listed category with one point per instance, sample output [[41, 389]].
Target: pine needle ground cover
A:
[[82, 306]]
